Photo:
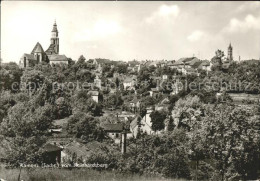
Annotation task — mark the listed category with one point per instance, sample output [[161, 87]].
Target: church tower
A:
[[230, 53], [54, 46]]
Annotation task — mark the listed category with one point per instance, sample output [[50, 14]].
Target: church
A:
[[38, 55]]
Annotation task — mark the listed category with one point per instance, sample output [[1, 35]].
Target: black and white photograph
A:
[[130, 90]]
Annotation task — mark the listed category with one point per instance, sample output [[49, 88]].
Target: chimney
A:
[[123, 137]]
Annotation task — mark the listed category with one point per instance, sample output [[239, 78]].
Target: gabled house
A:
[[165, 77], [129, 83], [115, 131], [144, 125], [154, 92], [97, 82], [51, 154], [189, 71], [134, 105], [205, 65], [94, 95]]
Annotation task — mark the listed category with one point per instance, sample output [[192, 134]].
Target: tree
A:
[[157, 119], [82, 102], [170, 124], [233, 138], [217, 60], [114, 100], [117, 82], [32, 80], [25, 129], [84, 126], [122, 68], [81, 59], [10, 75]]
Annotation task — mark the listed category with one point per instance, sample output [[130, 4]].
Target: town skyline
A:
[[117, 34]]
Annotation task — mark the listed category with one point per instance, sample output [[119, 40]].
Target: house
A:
[[97, 82], [205, 65], [144, 125], [154, 92], [176, 88], [52, 154], [126, 115], [135, 125], [129, 83], [162, 105], [165, 77], [189, 71], [184, 63], [170, 64], [115, 131], [115, 75], [94, 95], [134, 104]]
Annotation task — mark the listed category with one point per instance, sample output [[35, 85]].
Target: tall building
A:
[[230, 53], [54, 46], [51, 55]]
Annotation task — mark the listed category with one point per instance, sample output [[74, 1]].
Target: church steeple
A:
[[54, 29], [54, 47], [230, 52]]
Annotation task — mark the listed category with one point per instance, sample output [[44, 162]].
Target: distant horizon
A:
[[110, 30]]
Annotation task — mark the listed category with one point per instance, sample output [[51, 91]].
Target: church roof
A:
[[51, 49], [29, 56], [56, 57], [37, 48]]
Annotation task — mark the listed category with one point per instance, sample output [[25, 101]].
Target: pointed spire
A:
[[230, 45], [54, 29]]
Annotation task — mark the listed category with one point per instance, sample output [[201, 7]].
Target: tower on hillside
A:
[[230, 53], [54, 46]]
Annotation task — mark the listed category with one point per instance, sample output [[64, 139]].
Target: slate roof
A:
[[51, 49], [93, 93], [29, 56], [197, 64], [204, 63], [134, 123], [118, 127], [50, 148], [37, 48], [56, 57], [187, 60]]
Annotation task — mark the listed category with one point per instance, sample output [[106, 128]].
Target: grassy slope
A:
[[72, 175]]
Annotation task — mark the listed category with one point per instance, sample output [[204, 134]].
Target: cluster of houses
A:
[[127, 124]]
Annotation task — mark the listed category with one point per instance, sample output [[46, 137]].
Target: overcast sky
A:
[[132, 30]]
